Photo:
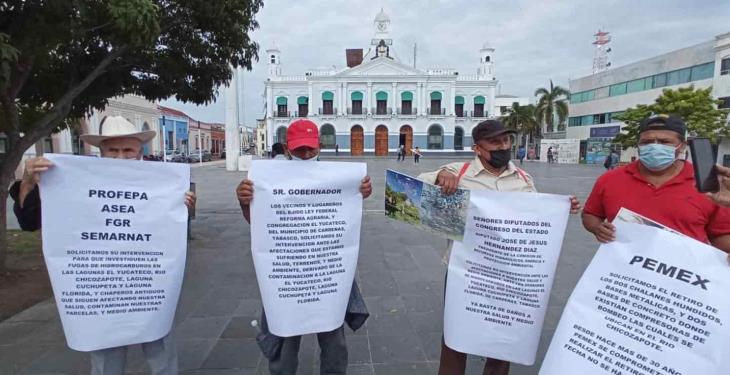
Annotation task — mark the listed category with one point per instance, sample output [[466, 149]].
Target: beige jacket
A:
[[477, 177]]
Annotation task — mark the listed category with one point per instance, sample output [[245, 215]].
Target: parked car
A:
[[195, 156]]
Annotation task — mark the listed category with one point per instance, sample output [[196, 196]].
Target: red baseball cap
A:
[[302, 133]]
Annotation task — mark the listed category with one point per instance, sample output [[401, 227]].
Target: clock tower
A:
[[382, 29]]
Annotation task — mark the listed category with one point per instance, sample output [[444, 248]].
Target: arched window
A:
[[356, 98], [436, 103], [281, 107], [328, 103], [327, 138], [479, 102], [459, 106], [381, 100], [458, 138], [435, 138], [281, 134], [406, 101]]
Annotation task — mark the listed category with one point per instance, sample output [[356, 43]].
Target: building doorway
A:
[[381, 141], [327, 138], [406, 138], [458, 138], [435, 138], [357, 140], [281, 134]]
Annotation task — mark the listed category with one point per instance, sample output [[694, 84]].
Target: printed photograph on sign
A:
[[629, 216], [415, 202], [402, 197], [444, 213]]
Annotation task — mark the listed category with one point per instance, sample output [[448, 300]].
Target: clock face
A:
[[382, 26]]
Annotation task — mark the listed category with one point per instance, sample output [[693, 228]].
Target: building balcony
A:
[[437, 112], [479, 114], [355, 112], [381, 112], [300, 114], [282, 114], [407, 112], [328, 112]]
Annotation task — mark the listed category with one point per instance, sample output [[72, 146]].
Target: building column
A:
[[310, 100], [270, 101], [394, 105], [345, 103], [424, 103], [370, 97], [452, 110], [419, 105], [232, 121]]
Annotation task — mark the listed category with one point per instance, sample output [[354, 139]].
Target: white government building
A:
[[378, 102]]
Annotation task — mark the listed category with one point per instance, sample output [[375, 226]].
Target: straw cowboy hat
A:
[[117, 127]]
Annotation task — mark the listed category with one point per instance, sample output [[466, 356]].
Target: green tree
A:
[[696, 107], [552, 102], [59, 59], [521, 118]]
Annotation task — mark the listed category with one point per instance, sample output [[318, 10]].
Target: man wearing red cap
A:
[[282, 352]]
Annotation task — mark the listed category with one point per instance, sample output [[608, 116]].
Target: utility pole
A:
[[164, 141], [200, 146], [415, 46]]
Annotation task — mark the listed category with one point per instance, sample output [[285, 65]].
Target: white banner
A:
[[305, 239], [114, 241], [652, 302], [500, 277]]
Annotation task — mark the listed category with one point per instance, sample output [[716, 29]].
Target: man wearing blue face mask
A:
[[658, 186]]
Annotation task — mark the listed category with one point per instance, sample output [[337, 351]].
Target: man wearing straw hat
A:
[[119, 139]]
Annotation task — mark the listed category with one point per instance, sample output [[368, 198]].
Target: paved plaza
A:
[[400, 274]]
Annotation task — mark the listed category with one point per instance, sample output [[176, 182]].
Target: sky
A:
[[534, 41]]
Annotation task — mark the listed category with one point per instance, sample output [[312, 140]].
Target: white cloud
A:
[[534, 40]]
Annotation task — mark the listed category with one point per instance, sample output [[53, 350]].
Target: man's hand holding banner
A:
[[305, 240]]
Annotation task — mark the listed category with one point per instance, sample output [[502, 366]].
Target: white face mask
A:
[[313, 158]]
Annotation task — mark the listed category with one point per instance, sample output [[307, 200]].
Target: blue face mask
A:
[[656, 157]]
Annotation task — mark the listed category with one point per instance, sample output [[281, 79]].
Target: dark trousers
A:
[[454, 363], [332, 357]]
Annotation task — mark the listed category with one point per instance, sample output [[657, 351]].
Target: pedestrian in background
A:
[[550, 155], [521, 152], [278, 152], [416, 154]]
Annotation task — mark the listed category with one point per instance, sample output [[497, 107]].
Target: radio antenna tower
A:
[[600, 58]]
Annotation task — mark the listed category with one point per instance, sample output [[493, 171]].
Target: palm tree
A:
[[521, 118], [550, 103]]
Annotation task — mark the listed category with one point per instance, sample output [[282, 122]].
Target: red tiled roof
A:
[[172, 111]]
